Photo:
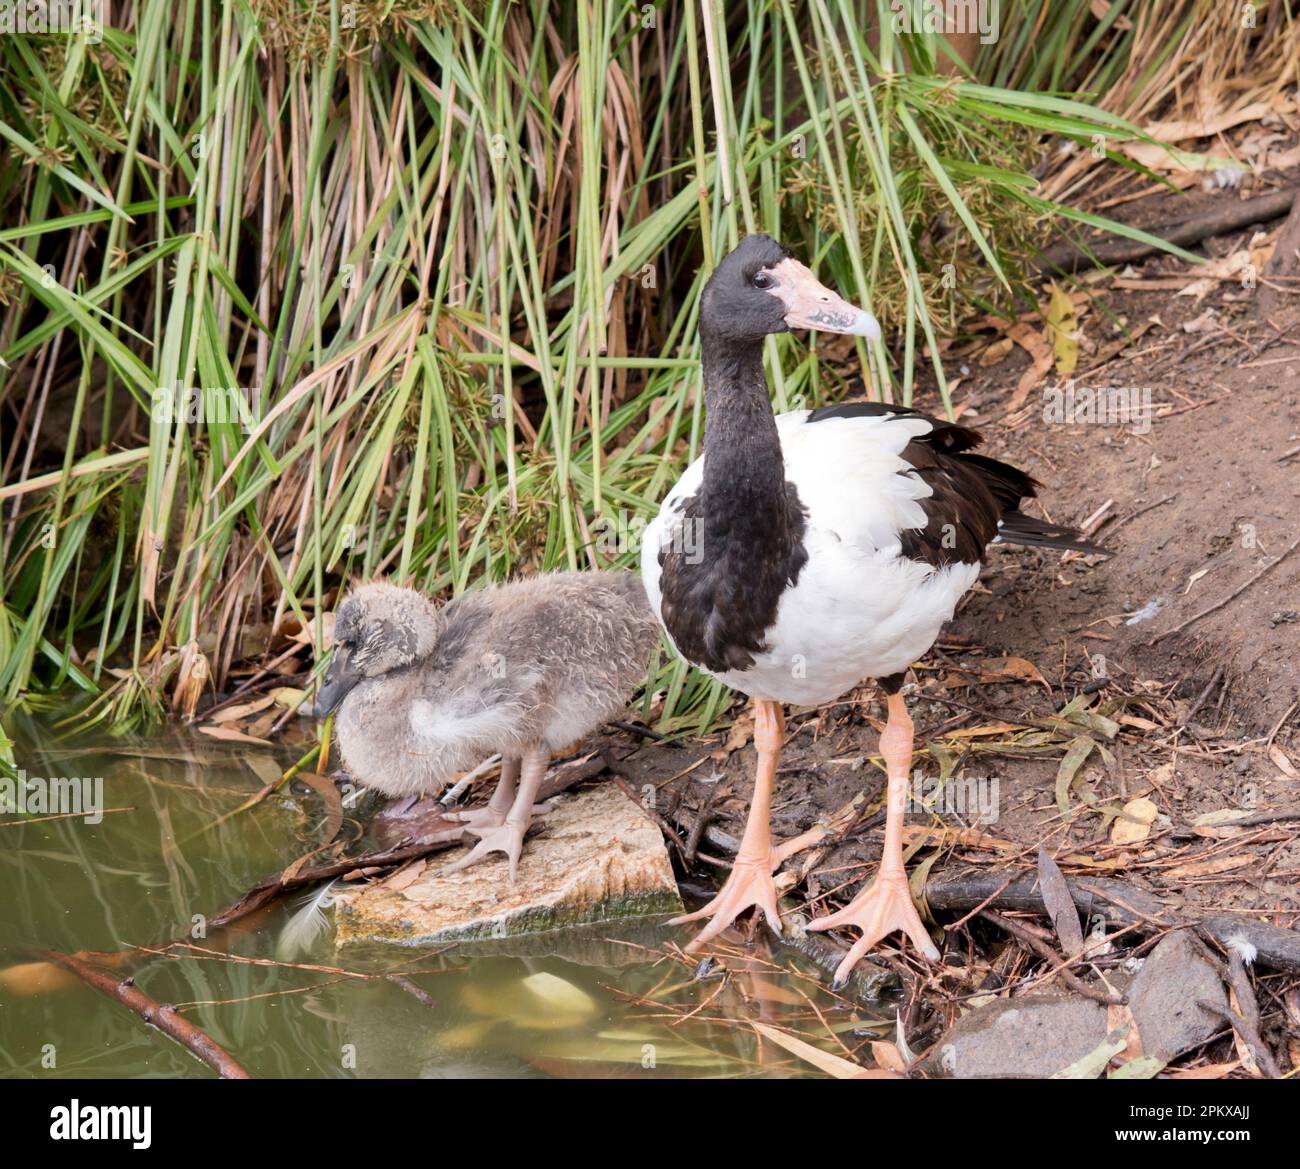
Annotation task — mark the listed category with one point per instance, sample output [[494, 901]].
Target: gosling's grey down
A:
[[523, 669]]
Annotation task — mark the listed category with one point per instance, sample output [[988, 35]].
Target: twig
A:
[[1120, 904], [1071, 256], [1230, 597], [638, 729], [152, 1012], [414, 991], [59, 816], [1258, 1048], [1119, 523], [983, 905], [1044, 951], [459, 788], [1205, 694], [662, 824], [703, 815]]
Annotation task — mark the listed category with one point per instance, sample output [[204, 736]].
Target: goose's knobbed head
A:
[[378, 628], [760, 288]]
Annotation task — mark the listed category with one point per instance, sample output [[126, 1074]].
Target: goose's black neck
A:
[[719, 606], [743, 468]]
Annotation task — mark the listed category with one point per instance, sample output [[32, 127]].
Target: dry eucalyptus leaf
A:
[[1060, 905], [1134, 822]]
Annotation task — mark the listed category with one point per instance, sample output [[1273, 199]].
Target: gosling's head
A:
[[378, 628]]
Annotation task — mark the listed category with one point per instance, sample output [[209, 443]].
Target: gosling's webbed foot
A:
[[507, 838], [490, 817]]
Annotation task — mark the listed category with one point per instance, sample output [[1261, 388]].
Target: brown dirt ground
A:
[[1198, 505]]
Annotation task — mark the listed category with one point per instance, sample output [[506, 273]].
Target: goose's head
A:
[[760, 288], [378, 628]]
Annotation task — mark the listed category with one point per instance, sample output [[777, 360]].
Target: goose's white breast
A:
[[859, 609]]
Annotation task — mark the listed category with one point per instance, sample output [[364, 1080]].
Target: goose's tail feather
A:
[[1017, 528]]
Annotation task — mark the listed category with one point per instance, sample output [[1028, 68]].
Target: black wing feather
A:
[[975, 500]]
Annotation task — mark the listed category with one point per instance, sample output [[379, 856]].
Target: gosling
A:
[[523, 669]]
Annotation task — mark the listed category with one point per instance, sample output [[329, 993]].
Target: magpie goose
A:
[[803, 553]]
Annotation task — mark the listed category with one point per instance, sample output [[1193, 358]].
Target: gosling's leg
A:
[[887, 905], [493, 813], [508, 836], [750, 882]]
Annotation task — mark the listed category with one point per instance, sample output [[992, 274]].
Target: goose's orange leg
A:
[[887, 905], [750, 883]]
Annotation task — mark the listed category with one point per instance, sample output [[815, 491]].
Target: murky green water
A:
[[166, 856]]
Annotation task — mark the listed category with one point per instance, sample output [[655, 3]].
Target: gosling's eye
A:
[[762, 280]]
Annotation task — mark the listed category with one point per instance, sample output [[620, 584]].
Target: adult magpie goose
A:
[[803, 553]]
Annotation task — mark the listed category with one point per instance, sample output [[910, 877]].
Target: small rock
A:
[[1034, 1036], [1284, 617], [1039, 1035], [1164, 995], [598, 858]]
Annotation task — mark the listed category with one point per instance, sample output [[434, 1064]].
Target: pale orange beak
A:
[[809, 304]]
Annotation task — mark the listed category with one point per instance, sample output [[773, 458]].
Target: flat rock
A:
[[1034, 1036], [1165, 993], [596, 859], [1039, 1035]]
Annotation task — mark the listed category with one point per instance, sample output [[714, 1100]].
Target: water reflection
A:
[[167, 855]]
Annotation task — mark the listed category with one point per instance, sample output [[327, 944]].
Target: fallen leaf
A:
[[1283, 764], [1208, 868], [1219, 818], [1133, 824], [1026, 670], [1147, 1067], [405, 877], [560, 994], [234, 713], [1121, 1015], [832, 1065], [1032, 342], [1183, 128], [1211, 1071], [941, 837], [267, 770], [740, 732], [888, 1056], [996, 352], [36, 978], [1140, 724], [233, 736], [1060, 905], [1079, 750], [1062, 330], [982, 732], [328, 791], [1091, 1066]]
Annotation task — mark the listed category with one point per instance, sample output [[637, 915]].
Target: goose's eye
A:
[[762, 280]]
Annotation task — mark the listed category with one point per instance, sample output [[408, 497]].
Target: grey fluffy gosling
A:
[[522, 669]]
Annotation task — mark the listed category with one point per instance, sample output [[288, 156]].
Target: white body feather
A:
[[860, 609]]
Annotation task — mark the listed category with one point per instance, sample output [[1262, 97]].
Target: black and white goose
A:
[[803, 553]]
